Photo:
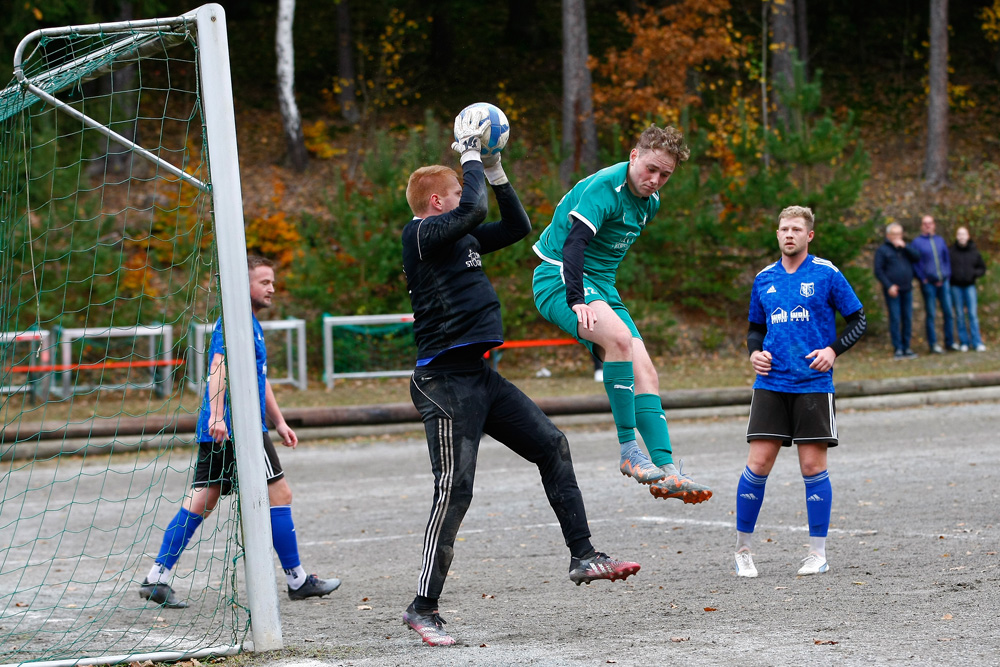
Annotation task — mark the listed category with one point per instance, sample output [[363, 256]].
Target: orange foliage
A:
[[273, 235], [652, 77]]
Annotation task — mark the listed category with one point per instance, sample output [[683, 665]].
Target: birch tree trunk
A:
[[292, 122], [936, 161], [579, 131]]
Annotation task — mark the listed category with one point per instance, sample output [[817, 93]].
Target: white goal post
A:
[[59, 88]]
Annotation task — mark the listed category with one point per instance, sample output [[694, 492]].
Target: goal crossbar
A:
[[124, 51]]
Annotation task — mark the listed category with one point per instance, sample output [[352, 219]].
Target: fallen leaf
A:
[[611, 661], [858, 583], [20, 604], [945, 639], [488, 597], [483, 645], [364, 599], [947, 617], [364, 607], [824, 642], [679, 639], [711, 609], [780, 588]]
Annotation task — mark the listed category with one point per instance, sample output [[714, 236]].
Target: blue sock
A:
[[819, 503], [176, 537], [749, 498], [283, 537]]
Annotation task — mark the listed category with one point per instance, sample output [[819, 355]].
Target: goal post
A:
[[121, 208]]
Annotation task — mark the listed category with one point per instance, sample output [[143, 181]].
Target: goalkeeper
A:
[[216, 467], [459, 396], [574, 288]]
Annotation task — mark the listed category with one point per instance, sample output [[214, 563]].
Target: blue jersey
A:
[[799, 310], [218, 346]]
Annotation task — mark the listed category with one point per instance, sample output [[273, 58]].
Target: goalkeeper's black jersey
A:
[[454, 304]]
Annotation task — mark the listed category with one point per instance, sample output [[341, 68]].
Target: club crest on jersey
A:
[[626, 241], [807, 289]]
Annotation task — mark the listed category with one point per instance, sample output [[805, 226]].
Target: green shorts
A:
[[549, 292]]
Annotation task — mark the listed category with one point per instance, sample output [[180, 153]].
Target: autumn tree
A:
[[346, 92], [579, 137], [936, 160], [671, 57]]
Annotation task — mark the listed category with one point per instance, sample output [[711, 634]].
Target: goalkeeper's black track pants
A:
[[458, 406]]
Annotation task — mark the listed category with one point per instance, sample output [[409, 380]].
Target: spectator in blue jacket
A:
[[934, 272], [894, 270]]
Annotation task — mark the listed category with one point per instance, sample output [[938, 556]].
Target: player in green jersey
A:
[[574, 288]]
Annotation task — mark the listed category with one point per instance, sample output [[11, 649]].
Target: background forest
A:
[[784, 101]]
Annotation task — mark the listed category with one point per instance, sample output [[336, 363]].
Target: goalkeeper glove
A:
[[494, 170], [469, 134]]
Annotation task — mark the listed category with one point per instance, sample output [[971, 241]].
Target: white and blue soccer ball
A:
[[499, 133]]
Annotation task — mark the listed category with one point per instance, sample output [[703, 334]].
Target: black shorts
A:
[[792, 418], [217, 464]]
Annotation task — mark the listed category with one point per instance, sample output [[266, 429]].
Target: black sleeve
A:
[[755, 337], [912, 254], [440, 232], [880, 274], [513, 225], [979, 268], [573, 248], [855, 329]]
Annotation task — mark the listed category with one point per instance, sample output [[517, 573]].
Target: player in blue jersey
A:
[[592, 228], [216, 467], [793, 344]]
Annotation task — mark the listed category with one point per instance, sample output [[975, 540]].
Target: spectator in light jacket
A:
[[934, 272], [966, 266], [894, 270]]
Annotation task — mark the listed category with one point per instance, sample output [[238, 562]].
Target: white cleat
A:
[[744, 564], [813, 564]]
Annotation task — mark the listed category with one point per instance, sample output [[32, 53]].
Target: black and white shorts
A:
[[217, 464], [792, 418]]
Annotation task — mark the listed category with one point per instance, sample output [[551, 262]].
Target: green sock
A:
[[652, 424], [619, 383]]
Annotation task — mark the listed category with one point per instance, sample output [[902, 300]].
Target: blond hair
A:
[[803, 212], [425, 182], [667, 139]]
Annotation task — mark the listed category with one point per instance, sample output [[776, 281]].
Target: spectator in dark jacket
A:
[[966, 266], [894, 270], [934, 271]]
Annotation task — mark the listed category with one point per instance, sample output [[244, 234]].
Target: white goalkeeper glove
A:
[[494, 170], [469, 134]]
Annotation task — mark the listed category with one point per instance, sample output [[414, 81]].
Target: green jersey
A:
[[604, 203]]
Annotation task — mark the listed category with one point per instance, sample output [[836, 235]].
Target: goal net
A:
[[120, 226]]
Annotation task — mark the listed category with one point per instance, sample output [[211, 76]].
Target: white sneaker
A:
[[744, 564], [980, 348], [813, 564], [937, 349], [963, 348]]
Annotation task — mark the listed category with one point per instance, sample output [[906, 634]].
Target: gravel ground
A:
[[913, 554]]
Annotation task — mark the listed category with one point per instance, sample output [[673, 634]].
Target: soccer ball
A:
[[499, 134]]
